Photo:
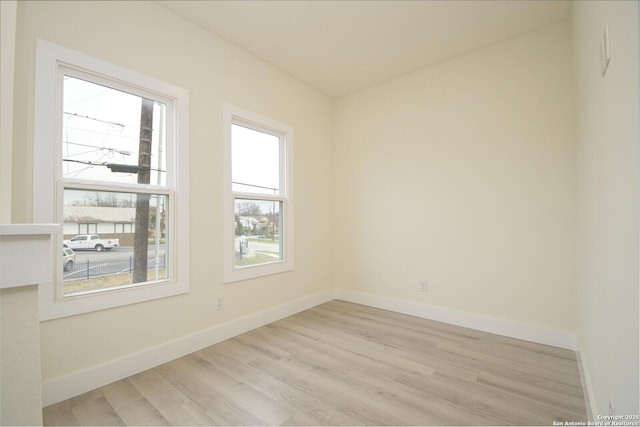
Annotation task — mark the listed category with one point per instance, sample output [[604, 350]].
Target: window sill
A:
[[73, 305], [237, 274]]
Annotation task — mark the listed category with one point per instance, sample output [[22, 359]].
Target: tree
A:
[[239, 227], [141, 236], [250, 209]]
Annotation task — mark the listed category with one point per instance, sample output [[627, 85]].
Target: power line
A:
[[95, 119], [79, 129], [255, 186], [109, 165], [116, 150]]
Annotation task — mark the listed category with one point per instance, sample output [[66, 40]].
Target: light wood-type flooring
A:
[[345, 364]]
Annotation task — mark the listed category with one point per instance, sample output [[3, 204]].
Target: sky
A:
[[102, 125], [255, 161]]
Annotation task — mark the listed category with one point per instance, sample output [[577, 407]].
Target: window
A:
[[258, 226], [122, 228], [87, 228], [110, 153]]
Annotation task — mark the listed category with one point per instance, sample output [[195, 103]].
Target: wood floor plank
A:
[[342, 395], [496, 353], [345, 364], [330, 329], [174, 406], [195, 383], [403, 383], [303, 419], [549, 397], [412, 402], [61, 414], [547, 414], [241, 392], [131, 406], [444, 331], [304, 405], [96, 407]]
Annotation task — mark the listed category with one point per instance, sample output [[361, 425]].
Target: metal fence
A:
[[92, 268]]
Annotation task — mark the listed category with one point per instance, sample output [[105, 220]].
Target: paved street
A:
[[263, 246], [91, 264], [267, 247]]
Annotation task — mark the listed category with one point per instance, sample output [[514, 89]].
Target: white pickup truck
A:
[[91, 242]]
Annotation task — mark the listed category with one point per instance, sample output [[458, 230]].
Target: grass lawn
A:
[[105, 282], [259, 258], [262, 239]]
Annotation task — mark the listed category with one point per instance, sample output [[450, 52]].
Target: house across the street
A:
[[114, 222]]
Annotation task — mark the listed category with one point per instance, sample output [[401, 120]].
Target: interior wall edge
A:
[[59, 389], [505, 327], [587, 388]]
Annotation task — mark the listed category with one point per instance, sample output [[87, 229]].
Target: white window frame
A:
[[236, 115], [48, 183]]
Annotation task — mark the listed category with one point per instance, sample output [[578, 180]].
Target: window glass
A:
[[256, 170], [112, 137], [107, 261], [257, 231], [101, 134], [255, 161]]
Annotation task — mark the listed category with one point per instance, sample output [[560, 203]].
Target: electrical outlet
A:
[[220, 302], [612, 409], [422, 286]]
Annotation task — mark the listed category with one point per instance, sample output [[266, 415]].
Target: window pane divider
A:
[[265, 197], [123, 188]]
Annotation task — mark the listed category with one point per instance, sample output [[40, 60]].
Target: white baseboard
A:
[[57, 390], [587, 389], [509, 328]]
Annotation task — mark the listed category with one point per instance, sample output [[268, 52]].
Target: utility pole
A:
[[141, 235]]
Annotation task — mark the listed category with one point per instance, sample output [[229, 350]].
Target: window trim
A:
[[48, 187], [231, 273]]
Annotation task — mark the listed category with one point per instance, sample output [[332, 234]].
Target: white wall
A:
[[146, 38], [607, 136], [463, 174], [8, 16], [20, 382]]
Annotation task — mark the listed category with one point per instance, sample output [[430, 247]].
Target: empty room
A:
[[319, 213]]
